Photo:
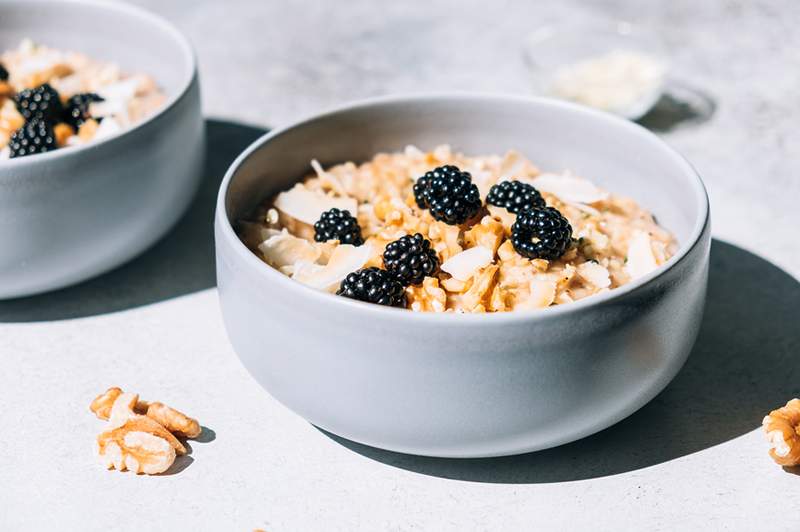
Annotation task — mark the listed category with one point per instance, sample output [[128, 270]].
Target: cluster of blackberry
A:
[[539, 231], [406, 261], [451, 197], [42, 108]]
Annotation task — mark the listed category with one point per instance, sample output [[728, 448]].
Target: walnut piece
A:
[[139, 445], [782, 428], [101, 406], [173, 420]]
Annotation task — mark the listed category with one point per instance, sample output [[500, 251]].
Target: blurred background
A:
[[736, 64]]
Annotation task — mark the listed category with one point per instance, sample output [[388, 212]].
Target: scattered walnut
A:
[[140, 436], [173, 420], [782, 427]]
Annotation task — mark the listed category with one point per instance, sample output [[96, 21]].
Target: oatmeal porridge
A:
[[441, 231], [51, 99]]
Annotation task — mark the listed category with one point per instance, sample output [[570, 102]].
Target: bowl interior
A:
[[133, 39], [615, 154]]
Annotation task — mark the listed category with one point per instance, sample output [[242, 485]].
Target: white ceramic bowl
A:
[[73, 213], [466, 385]]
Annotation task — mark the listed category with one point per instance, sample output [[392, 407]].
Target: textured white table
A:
[[692, 459]]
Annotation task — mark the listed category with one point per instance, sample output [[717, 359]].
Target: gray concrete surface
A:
[[692, 459]]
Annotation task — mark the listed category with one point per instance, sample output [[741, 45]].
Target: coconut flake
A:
[[569, 188], [327, 178], [108, 127], [344, 260], [120, 91], [543, 293], [285, 249], [463, 265], [307, 205], [640, 255], [594, 274]]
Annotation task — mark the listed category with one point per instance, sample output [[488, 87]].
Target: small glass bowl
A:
[[552, 48]]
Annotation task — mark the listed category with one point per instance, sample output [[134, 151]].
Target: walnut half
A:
[[139, 445], [173, 420], [782, 427]]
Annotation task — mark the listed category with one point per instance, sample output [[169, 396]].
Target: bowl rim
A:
[[250, 261], [189, 58]]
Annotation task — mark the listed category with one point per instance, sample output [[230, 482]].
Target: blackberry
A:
[[515, 196], [35, 136], [76, 110], [40, 102], [373, 285], [410, 259], [3, 73], [336, 224], [449, 194], [541, 233]]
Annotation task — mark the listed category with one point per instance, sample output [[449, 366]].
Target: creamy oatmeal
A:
[[496, 235], [51, 99]]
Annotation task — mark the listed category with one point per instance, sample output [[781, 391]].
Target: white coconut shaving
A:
[[569, 188], [543, 293], [344, 260], [640, 255], [595, 274], [108, 126], [284, 249], [464, 265], [308, 205]]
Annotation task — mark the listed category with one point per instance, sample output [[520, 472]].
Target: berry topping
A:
[[76, 110], [410, 259], [541, 233], [449, 194], [40, 102], [35, 136], [336, 224], [514, 196], [3, 73], [373, 285]]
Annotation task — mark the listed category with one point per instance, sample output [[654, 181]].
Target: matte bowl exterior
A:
[[457, 385], [71, 214]]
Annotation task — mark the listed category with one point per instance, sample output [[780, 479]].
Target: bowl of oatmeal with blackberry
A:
[[462, 275], [440, 231], [101, 144]]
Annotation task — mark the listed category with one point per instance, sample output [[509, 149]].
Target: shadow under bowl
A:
[[452, 385], [73, 213]]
